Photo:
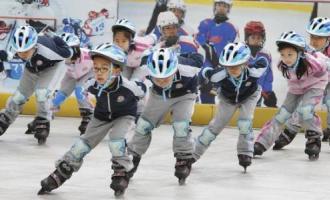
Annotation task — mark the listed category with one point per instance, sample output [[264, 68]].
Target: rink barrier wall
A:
[[202, 115], [300, 7]]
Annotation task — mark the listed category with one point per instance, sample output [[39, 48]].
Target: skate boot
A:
[[244, 161], [119, 181], [41, 129], [4, 123], [259, 149], [86, 115], [326, 135], [313, 145], [31, 127], [182, 169], [56, 179], [284, 139], [136, 162]]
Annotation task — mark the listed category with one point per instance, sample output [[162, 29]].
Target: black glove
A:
[[210, 54], [3, 55], [270, 99]]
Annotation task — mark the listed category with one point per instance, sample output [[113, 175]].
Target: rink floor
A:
[[286, 174]]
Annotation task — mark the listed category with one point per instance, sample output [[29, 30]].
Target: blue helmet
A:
[[292, 38], [70, 39], [110, 51], [24, 38], [319, 26], [234, 54], [162, 63]]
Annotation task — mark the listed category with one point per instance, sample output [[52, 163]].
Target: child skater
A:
[[44, 62], [79, 70], [307, 78], [239, 89], [174, 90], [114, 114], [255, 38], [319, 30]]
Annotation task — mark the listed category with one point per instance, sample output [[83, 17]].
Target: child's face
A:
[[170, 31], [235, 71], [289, 56], [163, 82], [221, 8], [102, 69], [177, 12], [318, 42], [255, 40], [26, 55], [121, 40]]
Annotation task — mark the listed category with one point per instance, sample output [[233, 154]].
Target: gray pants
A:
[[225, 111], [69, 84], [304, 104], [294, 123], [95, 132], [42, 83], [156, 108]]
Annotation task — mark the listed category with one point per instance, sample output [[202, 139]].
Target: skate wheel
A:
[[313, 157], [182, 181], [119, 193], [42, 191], [41, 141]]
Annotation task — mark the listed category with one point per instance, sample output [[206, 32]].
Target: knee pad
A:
[[42, 94], [283, 115], [244, 126], [79, 92], [206, 137], [181, 129], [143, 126], [59, 98], [19, 98], [79, 150], [306, 111], [117, 147]]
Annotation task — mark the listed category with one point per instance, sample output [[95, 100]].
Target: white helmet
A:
[[24, 38], [234, 54], [162, 63], [125, 24], [319, 26], [111, 52], [229, 2], [70, 39], [292, 38], [179, 4], [166, 18]]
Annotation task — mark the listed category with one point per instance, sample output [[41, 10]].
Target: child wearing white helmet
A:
[[307, 76], [44, 62], [319, 30], [239, 90], [174, 90], [114, 114], [213, 34], [179, 9], [79, 70]]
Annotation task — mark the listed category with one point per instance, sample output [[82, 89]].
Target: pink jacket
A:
[[141, 44], [317, 75], [81, 67]]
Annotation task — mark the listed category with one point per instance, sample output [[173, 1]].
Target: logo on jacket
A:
[[120, 99], [39, 62], [247, 84], [179, 85]]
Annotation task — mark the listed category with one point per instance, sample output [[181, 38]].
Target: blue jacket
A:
[[119, 99]]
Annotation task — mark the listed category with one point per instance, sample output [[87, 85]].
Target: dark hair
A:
[[303, 64], [127, 35]]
